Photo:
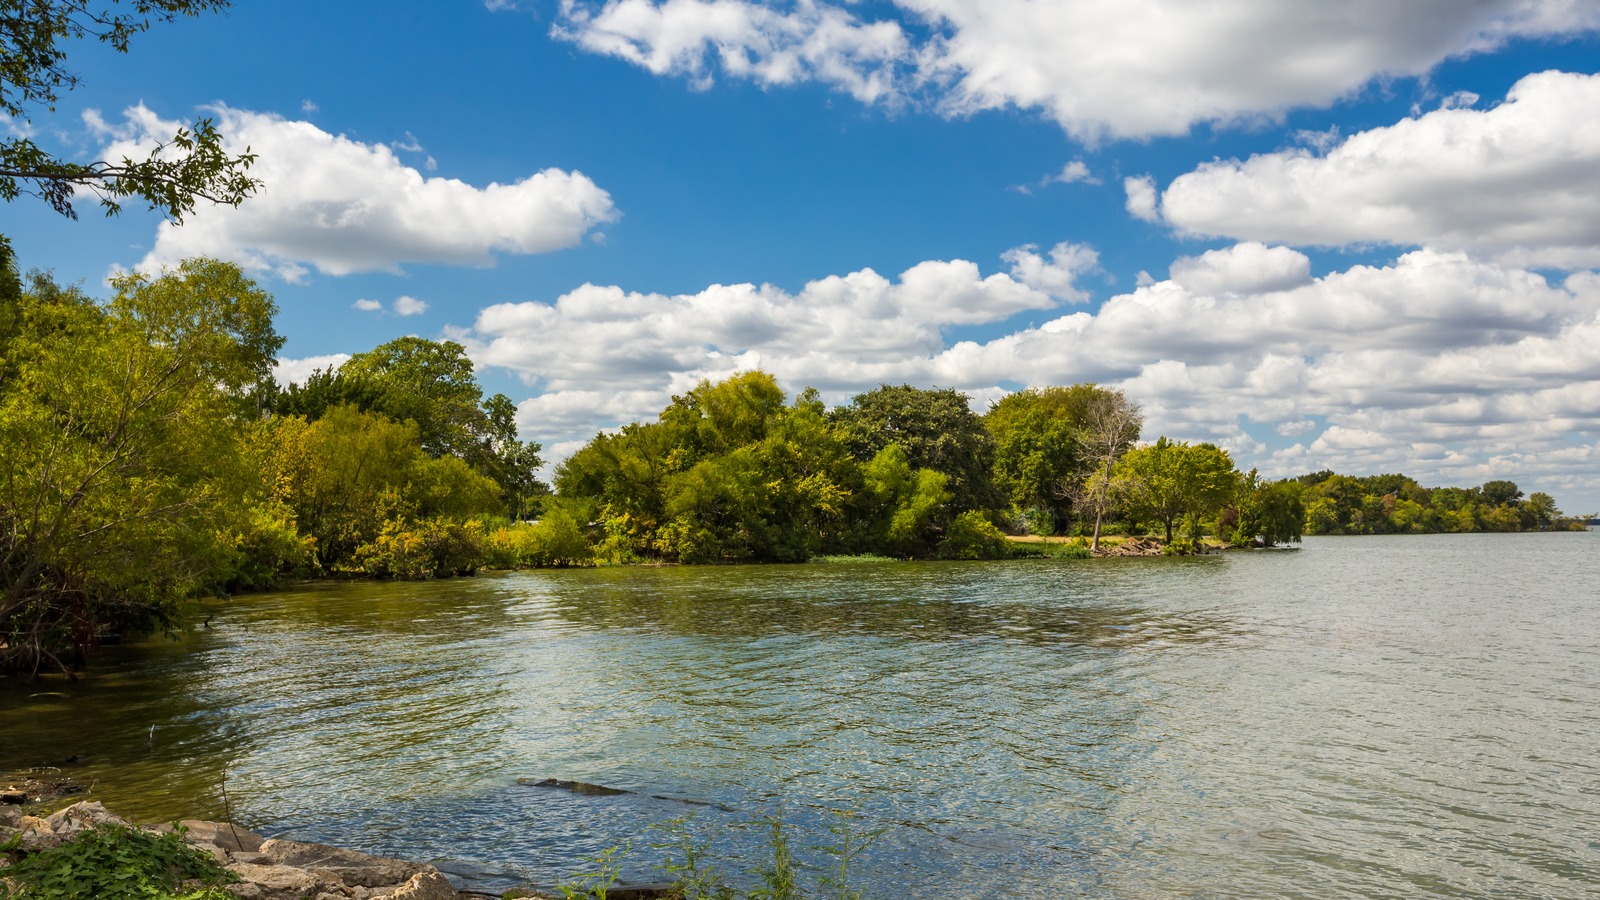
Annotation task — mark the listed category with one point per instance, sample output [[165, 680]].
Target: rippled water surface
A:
[[1368, 716]]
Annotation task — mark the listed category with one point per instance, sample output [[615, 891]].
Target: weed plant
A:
[[781, 876], [115, 862]]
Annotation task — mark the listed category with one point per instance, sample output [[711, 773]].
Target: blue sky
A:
[[1360, 236]]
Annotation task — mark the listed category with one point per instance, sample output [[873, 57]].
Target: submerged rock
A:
[[576, 787]]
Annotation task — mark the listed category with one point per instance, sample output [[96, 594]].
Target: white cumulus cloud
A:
[[409, 306], [1519, 183], [1131, 69], [341, 206], [296, 371]]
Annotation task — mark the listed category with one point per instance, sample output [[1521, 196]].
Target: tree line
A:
[[150, 458]]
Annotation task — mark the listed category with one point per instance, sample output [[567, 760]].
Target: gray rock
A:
[[227, 836], [422, 886], [349, 866], [277, 883], [10, 817], [82, 816], [576, 787]]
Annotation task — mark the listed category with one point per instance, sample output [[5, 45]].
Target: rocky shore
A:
[[270, 869], [267, 869]]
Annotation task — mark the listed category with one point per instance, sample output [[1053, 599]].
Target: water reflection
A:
[[1366, 717], [1043, 602]]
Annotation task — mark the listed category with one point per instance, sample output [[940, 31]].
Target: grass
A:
[[851, 559]]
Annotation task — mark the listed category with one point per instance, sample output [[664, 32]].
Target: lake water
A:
[[1365, 717]]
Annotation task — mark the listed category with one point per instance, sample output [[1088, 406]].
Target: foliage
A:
[[693, 876], [1169, 479], [597, 882], [121, 428], [556, 540], [780, 878], [935, 429], [1074, 549], [1396, 504], [34, 35], [972, 536], [430, 384], [115, 862], [432, 548]]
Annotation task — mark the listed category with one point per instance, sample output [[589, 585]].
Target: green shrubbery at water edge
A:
[[152, 459]]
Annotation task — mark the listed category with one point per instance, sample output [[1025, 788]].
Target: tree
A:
[[120, 428], [1540, 510], [1109, 427], [935, 428], [1036, 435], [1175, 479], [431, 383], [33, 73], [1272, 511], [1500, 493]]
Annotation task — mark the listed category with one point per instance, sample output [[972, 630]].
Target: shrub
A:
[[555, 540], [115, 862], [973, 536], [435, 548]]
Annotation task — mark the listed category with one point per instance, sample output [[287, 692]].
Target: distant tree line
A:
[[150, 459]]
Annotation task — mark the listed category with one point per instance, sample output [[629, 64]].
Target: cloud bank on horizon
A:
[[1415, 294]]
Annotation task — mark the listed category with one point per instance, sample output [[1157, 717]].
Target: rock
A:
[[349, 866], [224, 835], [10, 817], [82, 816], [39, 841], [577, 787], [653, 891], [422, 886], [278, 882], [14, 798]]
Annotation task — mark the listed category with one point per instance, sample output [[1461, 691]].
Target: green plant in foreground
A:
[[850, 844], [694, 877], [115, 862], [596, 884], [780, 878]]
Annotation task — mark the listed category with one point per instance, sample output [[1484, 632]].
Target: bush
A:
[[115, 862], [435, 548], [973, 536], [555, 540]]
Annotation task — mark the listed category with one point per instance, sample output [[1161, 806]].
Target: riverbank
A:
[[247, 865]]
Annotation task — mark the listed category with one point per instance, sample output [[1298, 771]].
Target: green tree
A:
[[120, 426], [1175, 479], [1540, 510], [1500, 493], [432, 383], [1035, 435], [936, 429], [1272, 511], [908, 505], [34, 38]]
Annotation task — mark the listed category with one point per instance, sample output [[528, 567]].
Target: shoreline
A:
[[270, 868]]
